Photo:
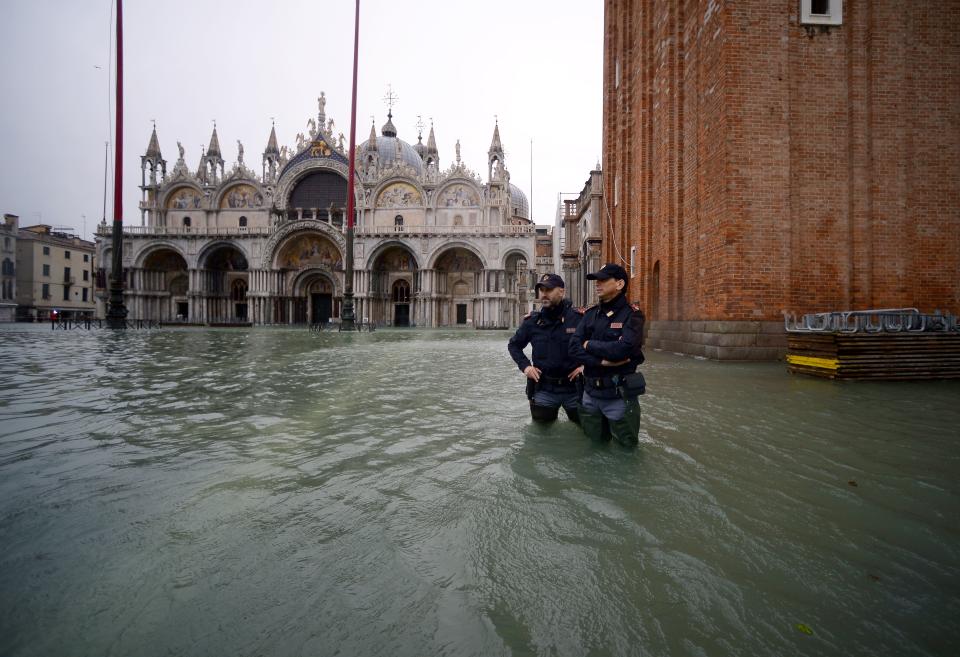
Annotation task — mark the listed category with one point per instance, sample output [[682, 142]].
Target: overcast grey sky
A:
[[535, 64]]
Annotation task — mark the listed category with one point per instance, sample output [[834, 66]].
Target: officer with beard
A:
[[607, 343], [552, 376]]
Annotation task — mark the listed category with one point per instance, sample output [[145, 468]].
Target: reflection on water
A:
[[281, 492]]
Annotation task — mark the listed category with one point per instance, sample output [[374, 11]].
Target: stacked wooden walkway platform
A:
[[889, 344]]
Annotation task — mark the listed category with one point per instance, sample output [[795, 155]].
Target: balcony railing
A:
[[527, 229], [105, 231]]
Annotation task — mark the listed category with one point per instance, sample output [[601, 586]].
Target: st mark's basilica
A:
[[433, 246]]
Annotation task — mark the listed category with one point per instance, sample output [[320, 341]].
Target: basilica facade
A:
[[433, 246]]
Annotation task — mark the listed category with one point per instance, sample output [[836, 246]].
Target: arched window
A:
[[243, 222], [458, 220], [398, 220], [401, 291], [238, 290], [186, 222]]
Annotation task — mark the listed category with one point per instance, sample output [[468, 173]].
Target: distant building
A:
[[433, 246], [8, 281], [54, 272], [764, 157], [579, 222]]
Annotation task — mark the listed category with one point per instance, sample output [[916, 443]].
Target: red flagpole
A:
[[347, 316], [116, 310]]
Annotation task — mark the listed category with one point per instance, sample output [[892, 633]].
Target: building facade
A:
[[579, 219], [764, 157], [433, 247], [8, 280], [55, 272]]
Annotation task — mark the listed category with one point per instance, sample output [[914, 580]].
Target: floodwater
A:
[[282, 492]]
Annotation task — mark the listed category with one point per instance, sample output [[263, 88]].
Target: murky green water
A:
[[281, 492]]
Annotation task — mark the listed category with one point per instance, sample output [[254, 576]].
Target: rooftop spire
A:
[[495, 145], [372, 141], [431, 141], [272, 148], [153, 148], [213, 150]]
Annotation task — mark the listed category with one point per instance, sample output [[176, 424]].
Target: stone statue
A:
[[313, 128], [340, 142], [322, 102], [239, 152], [458, 151], [330, 127], [180, 148], [300, 140]]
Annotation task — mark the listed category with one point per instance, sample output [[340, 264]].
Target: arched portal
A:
[[394, 268], [458, 283], [224, 270], [517, 275], [309, 263], [159, 287]]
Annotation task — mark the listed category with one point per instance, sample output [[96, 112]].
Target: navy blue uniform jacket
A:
[[615, 332], [549, 331]]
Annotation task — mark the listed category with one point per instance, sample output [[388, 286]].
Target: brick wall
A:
[[758, 166]]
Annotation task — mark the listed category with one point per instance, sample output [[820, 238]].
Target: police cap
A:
[[609, 270], [549, 281]]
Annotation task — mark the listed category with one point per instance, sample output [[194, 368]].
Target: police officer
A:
[[607, 343], [551, 378]]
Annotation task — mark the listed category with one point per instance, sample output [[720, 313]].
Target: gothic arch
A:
[[304, 279], [310, 248], [386, 245], [446, 246], [212, 247], [233, 184], [288, 229], [376, 191], [289, 179], [515, 251], [154, 247], [167, 195], [447, 184]]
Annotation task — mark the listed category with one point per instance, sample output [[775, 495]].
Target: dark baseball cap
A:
[[609, 270], [549, 280]]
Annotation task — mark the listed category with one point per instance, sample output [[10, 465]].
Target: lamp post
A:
[[116, 310], [347, 316]]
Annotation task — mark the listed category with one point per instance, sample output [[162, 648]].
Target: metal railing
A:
[[238, 231], [882, 320]]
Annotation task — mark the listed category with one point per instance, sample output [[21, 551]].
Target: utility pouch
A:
[[633, 384], [531, 388]]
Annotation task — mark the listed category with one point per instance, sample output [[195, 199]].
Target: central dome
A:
[[387, 150], [387, 145]]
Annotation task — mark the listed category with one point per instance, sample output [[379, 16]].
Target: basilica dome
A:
[[386, 146], [519, 206]]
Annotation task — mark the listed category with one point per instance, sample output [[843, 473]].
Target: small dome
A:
[[387, 150], [519, 206]]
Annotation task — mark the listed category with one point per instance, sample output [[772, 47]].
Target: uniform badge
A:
[[615, 325], [571, 330], [609, 313], [545, 277]]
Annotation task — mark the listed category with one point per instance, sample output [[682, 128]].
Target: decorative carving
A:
[[180, 148], [458, 196], [184, 199], [309, 250], [242, 196], [319, 148], [399, 195]]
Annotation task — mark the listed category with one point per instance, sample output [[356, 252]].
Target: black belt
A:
[[559, 382], [601, 382]]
